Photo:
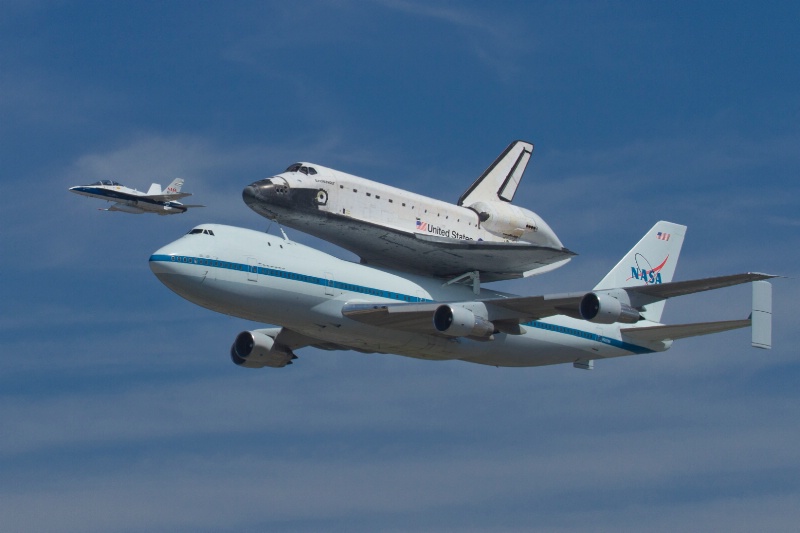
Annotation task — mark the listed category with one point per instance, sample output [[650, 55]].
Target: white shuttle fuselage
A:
[[390, 227]]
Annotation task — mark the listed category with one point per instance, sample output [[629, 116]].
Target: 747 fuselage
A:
[[322, 301]]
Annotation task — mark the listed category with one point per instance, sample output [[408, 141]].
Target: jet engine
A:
[[604, 309], [505, 219], [460, 322], [253, 349]]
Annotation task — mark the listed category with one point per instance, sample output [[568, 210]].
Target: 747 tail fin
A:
[[652, 261]]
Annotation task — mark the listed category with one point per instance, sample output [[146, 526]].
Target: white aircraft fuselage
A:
[[260, 277], [393, 228], [131, 201]]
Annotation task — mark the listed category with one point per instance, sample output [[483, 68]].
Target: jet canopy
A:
[[107, 182]]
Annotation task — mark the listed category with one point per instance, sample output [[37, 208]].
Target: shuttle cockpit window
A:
[[297, 167]]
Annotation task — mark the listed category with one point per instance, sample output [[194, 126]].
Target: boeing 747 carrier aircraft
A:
[[318, 300], [484, 237]]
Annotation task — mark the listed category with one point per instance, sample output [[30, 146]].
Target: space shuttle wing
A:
[[448, 258]]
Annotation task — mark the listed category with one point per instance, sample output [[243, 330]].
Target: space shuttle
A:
[[483, 237]]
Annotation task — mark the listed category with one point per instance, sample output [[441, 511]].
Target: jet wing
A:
[[663, 291], [288, 339], [506, 312], [418, 317], [535, 307], [167, 197]]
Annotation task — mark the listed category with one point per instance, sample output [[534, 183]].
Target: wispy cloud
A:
[[493, 38]]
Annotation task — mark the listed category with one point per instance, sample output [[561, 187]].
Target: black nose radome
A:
[[259, 191]]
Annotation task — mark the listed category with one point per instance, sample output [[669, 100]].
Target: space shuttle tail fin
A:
[[501, 179], [174, 187]]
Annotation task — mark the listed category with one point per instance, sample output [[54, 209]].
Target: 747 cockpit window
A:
[[297, 167], [197, 231]]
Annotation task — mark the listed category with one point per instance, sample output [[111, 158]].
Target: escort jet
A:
[[318, 300], [482, 238], [136, 202]]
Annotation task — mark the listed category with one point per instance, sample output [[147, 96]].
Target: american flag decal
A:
[[662, 236], [422, 226]]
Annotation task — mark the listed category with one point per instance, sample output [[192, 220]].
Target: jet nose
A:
[[163, 262]]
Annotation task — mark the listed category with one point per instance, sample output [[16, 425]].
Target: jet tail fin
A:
[[155, 188], [501, 179], [174, 187], [652, 261]]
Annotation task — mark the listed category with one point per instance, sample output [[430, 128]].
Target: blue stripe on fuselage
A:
[[361, 289]]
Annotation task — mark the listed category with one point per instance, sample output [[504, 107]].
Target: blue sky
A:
[[119, 405]]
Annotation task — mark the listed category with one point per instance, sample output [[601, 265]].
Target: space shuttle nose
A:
[[265, 197], [263, 192], [249, 195]]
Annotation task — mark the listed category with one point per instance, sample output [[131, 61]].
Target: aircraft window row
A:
[[198, 231], [107, 182], [391, 201], [378, 197], [294, 276], [297, 167]]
